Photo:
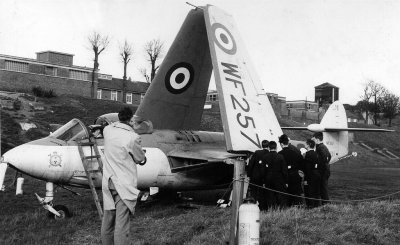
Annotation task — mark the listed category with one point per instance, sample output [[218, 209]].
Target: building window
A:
[[51, 71], [129, 98], [105, 76], [99, 94], [79, 75], [16, 66], [308, 106], [114, 95], [213, 97]]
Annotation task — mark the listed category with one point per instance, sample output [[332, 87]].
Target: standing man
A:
[[122, 151], [312, 175], [324, 157], [256, 171], [294, 161], [276, 177], [292, 147]]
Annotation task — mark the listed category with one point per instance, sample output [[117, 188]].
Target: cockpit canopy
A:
[[106, 119], [74, 130]]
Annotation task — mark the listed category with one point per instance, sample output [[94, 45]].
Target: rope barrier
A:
[[317, 199]]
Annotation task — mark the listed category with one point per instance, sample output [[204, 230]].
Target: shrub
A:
[[49, 94], [17, 104], [39, 92]]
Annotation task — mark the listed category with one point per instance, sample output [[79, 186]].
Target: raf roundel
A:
[[179, 77], [223, 38]]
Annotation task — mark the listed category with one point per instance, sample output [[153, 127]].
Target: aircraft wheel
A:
[[63, 210]]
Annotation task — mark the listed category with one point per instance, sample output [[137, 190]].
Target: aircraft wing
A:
[[199, 158], [209, 155], [247, 115]]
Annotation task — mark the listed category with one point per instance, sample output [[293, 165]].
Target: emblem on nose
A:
[[55, 159]]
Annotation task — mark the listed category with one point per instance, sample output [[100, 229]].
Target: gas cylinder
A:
[[249, 223]]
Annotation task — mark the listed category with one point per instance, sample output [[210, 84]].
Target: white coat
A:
[[119, 142]]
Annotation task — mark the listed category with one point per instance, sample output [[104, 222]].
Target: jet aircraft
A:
[[179, 156]]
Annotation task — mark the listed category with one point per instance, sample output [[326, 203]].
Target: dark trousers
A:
[[259, 194], [313, 190], [274, 199], [294, 188], [116, 224], [324, 188]]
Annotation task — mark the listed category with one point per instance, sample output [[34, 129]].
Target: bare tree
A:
[[365, 98], [126, 52], [377, 91], [98, 44], [372, 91], [143, 71], [390, 105], [154, 51]]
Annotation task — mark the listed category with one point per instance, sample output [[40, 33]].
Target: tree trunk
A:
[[95, 68], [124, 83], [375, 112]]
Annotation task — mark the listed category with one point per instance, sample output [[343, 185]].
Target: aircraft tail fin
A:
[[337, 140], [175, 99]]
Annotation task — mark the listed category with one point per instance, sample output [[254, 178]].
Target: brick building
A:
[[304, 105], [326, 93], [113, 89], [55, 71], [50, 70]]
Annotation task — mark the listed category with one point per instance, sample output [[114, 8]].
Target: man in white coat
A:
[[122, 151]]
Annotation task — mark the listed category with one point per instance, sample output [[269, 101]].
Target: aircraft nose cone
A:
[[14, 157]]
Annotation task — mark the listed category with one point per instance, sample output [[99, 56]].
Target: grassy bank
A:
[[24, 221], [365, 223]]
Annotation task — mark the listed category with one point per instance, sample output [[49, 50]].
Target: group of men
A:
[[279, 179]]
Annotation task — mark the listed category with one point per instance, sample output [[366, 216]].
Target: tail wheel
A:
[[62, 210]]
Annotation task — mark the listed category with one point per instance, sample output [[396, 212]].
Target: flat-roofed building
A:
[[326, 93], [304, 105], [55, 71], [50, 70]]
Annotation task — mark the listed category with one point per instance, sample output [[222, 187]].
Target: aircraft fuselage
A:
[[54, 160]]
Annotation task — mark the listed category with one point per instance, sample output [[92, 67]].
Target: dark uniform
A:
[[256, 172], [294, 164], [324, 157], [312, 175], [294, 148], [276, 178]]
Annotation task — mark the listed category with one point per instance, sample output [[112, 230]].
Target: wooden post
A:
[[237, 198]]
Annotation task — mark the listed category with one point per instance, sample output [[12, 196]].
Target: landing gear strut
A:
[[62, 210], [56, 212]]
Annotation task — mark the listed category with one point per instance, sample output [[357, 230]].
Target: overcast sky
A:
[[294, 44]]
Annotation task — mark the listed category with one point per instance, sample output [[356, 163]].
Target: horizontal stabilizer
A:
[[359, 129], [295, 128], [339, 129]]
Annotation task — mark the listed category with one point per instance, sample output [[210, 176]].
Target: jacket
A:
[[256, 169], [122, 150]]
